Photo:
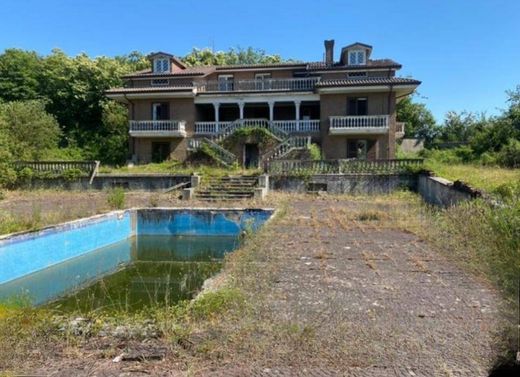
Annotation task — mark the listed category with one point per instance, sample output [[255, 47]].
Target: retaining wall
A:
[[444, 193], [148, 182], [345, 183]]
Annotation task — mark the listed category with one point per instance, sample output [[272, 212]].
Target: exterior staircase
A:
[[290, 144], [287, 143], [238, 187]]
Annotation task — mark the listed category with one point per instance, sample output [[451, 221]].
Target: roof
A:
[[264, 65], [151, 89], [371, 63], [357, 44], [367, 82], [189, 71]]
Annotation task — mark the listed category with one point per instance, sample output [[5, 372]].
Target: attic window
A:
[[161, 65], [356, 57], [160, 82], [357, 75]]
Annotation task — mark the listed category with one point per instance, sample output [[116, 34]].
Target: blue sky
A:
[[466, 52]]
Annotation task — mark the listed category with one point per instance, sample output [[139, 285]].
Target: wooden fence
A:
[[352, 166]]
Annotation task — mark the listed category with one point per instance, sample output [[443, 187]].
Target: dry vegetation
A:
[[286, 297]]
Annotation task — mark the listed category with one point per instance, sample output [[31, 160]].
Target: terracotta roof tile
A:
[[372, 63], [150, 89], [368, 81]]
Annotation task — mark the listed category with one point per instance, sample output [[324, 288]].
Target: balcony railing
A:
[[289, 126], [275, 85], [359, 124], [150, 128]]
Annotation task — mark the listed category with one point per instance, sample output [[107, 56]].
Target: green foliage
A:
[[239, 55], [72, 174], [7, 173], [217, 303], [509, 191], [314, 151], [509, 155], [420, 122], [460, 127], [260, 134], [116, 198], [25, 175], [19, 73], [29, 127]]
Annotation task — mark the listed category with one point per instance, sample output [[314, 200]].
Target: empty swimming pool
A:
[[124, 259]]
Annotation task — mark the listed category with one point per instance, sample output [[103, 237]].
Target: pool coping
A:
[[64, 224]]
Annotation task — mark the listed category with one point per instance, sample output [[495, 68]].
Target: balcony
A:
[[289, 126], [359, 124], [157, 128], [259, 85]]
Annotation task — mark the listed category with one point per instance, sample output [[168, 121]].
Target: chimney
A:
[[329, 52]]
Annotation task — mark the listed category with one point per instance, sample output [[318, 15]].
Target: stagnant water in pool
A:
[[147, 271]]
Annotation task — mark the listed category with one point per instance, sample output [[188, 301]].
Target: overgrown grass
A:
[[174, 167], [116, 198], [487, 178]]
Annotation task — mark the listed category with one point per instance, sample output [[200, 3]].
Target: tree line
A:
[[483, 139], [54, 107]]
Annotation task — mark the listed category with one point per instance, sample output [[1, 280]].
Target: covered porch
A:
[[290, 116]]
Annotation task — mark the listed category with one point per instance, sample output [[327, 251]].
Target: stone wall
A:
[[345, 184], [147, 182], [444, 193]]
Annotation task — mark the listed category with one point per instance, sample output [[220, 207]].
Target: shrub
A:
[[72, 174], [488, 158], [314, 151], [509, 155], [25, 175], [116, 198]]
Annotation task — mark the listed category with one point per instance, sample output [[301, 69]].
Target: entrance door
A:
[[251, 154], [160, 151], [357, 149]]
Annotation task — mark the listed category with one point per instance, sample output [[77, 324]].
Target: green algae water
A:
[[161, 270]]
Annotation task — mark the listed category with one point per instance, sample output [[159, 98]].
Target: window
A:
[[357, 149], [225, 83], [356, 57], [161, 65], [356, 75], [160, 82], [160, 111], [262, 82], [357, 106]]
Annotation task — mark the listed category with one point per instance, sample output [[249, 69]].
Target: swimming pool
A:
[[131, 258]]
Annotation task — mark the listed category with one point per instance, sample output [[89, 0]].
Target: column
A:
[[216, 105], [271, 110], [297, 109], [241, 109]]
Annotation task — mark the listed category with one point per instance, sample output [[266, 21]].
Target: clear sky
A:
[[466, 52]]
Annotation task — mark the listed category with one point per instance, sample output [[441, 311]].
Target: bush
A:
[[509, 155], [314, 151], [72, 174], [25, 175], [116, 198], [217, 303]]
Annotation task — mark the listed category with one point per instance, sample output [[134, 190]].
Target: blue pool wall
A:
[[27, 253], [199, 222]]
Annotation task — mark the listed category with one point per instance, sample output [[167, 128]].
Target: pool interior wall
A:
[[49, 250]]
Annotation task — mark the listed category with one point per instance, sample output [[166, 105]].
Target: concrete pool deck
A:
[[332, 296]]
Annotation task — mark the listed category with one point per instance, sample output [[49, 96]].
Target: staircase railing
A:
[[288, 145], [223, 155]]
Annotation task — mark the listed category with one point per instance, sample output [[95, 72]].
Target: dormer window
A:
[[356, 57], [161, 65]]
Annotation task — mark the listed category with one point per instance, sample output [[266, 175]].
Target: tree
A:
[[419, 121], [29, 128], [19, 72], [206, 56], [461, 127], [498, 131]]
